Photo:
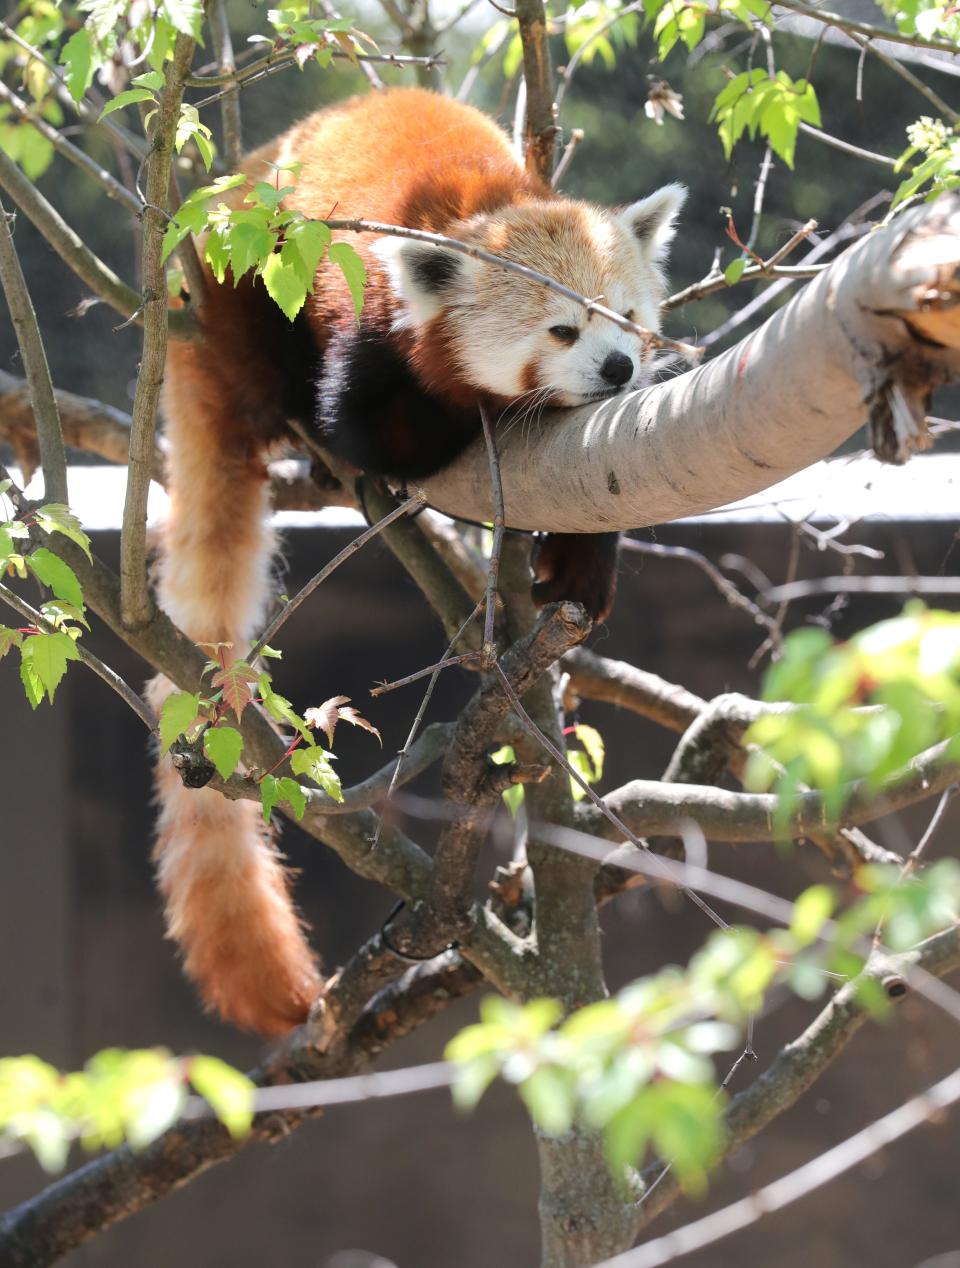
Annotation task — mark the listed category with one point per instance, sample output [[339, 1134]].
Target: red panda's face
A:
[[513, 337]]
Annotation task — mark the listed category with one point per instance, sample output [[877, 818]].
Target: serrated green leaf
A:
[[30, 679], [58, 575], [284, 286], [223, 745], [55, 517], [185, 16], [9, 638], [77, 58], [151, 79], [269, 795], [47, 655], [290, 791], [127, 98], [314, 762], [354, 271], [178, 714], [104, 15]]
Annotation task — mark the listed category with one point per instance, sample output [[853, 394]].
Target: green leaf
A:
[[179, 713], [354, 271], [30, 679], [229, 1093], [223, 745], [78, 62], [284, 286], [48, 655], [269, 795], [56, 574], [307, 239], [185, 16], [57, 518], [549, 1096], [734, 271], [104, 15], [126, 98], [314, 762], [9, 638], [152, 79]]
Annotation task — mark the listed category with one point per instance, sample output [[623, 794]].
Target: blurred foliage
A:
[[639, 1067], [119, 1096], [864, 708]]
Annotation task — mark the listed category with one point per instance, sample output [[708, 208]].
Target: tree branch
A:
[[121, 1183], [42, 400], [752, 416], [136, 603], [77, 255]]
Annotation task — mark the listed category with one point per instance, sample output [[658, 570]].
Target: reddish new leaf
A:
[[338, 709], [236, 681]]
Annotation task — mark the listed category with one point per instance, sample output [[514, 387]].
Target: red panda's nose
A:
[[617, 369]]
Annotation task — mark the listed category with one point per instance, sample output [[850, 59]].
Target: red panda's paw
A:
[[581, 567]]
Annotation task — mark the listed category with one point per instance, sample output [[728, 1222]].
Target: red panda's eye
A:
[[630, 314], [566, 334]]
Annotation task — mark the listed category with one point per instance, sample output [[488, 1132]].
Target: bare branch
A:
[[30, 343], [77, 255], [79, 158]]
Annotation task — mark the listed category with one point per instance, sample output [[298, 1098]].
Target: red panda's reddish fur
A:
[[396, 157]]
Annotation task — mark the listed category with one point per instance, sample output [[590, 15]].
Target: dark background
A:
[[83, 961]]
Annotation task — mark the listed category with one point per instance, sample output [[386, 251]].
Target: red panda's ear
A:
[[422, 275], [652, 220]]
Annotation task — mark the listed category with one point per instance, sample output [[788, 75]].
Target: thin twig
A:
[[74, 251], [736, 598], [109, 676], [889, 34], [566, 158], [850, 1153], [862, 585], [272, 65], [598, 801], [351, 548], [846, 147], [499, 521], [79, 158], [907, 75], [34, 357], [566, 73], [911, 862], [446, 662], [415, 726], [227, 66], [686, 350]]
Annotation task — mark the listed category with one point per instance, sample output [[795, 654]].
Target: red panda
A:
[[395, 393]]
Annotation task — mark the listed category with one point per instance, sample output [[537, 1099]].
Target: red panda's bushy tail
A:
[[228, 904]]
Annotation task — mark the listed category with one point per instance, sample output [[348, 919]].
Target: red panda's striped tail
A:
[[228, 904]]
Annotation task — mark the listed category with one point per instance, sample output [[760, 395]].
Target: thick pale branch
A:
[[841, 353]]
